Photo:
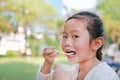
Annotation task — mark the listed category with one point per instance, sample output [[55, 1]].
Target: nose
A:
[[68, 42]]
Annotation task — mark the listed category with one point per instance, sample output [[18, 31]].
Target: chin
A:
[[72, 62]]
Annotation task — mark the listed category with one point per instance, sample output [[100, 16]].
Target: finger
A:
[[48, 50], [54, 54], [51, 47]]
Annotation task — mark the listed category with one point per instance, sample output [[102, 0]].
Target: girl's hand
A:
[[49, 55]]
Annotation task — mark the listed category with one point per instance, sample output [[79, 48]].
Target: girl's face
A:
[[76, 41]]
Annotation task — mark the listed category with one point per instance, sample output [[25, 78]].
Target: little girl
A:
[[83, 39]]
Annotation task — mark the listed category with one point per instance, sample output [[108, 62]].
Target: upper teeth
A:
[[70, 53]]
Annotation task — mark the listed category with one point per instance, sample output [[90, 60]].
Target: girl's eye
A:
[[75, 36], [64, 36]]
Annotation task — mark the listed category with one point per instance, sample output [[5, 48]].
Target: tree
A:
[[110, 12], [5, 26], [27, 11]]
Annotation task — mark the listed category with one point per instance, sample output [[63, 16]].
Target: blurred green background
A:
[[28, 26]]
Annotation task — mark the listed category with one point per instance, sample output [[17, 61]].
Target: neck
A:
[[88, 65]]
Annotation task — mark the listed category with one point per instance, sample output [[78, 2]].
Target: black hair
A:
[[95, 27]]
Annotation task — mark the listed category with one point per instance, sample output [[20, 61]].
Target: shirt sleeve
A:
[[41, 76]]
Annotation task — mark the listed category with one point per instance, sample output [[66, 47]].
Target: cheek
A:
[[83, 51], [83, 43], [82, 46], [62, 45]]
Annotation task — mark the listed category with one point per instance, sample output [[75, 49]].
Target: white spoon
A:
[[64, 53]]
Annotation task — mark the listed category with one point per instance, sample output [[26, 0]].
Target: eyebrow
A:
[[64, 32], [75, 31], [71, 31]]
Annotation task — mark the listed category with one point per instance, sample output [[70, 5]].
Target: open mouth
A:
[[71, 53]]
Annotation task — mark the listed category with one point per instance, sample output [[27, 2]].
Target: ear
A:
[[97, 43]]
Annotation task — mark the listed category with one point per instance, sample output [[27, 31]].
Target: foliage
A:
[[27, 11], [60, 23], [111, 9], [110, 12], [51, 42], [34, 45], [11, 53], [37, 45], [5, 26]]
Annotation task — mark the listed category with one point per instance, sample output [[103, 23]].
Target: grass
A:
[[17, 71], [22, 68]]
